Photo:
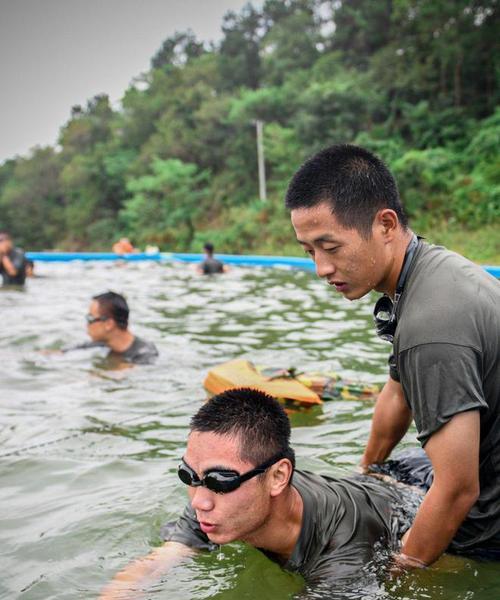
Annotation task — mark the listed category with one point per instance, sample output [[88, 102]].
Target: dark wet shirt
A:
[[140, 352], [211, 265], [18, 260], [344, 522], [447, 358]]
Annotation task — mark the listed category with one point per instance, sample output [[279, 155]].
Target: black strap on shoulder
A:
[[410, 251]]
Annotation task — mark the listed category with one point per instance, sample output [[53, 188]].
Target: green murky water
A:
[[94, 475]]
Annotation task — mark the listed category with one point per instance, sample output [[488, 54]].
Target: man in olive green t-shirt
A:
[[108, 326], [447, 360], [443, 314], [243, 486]]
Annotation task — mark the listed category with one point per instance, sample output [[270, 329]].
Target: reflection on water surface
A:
[[95, 478]]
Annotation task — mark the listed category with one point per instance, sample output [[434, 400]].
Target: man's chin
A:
[[220, 538], [355, 294], [351, 295]]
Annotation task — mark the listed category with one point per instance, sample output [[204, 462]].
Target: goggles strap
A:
[[408, 259], [387, 328]]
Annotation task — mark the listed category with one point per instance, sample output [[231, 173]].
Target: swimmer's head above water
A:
[[108, 312]]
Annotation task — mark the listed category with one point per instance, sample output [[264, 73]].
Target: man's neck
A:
[[120, 341], [281, 531], [401, 246]]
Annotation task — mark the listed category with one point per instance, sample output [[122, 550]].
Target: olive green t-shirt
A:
[[447, 358], [140, 352], [345, 521]]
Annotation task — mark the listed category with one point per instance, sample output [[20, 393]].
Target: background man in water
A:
[[243, 485], [445, 367], [210, 265], [107, 325], [12, 261]]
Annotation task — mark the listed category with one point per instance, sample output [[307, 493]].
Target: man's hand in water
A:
[[362, 470], [450, 563], [133, 581], [403, 563]]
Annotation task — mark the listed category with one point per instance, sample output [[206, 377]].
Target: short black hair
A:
[[258, 420], [209, 247], [353, 181], [114, 306]]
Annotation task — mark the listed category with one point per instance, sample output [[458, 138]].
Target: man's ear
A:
[[279, 476], [386, 222]]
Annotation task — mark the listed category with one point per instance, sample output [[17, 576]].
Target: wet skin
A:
[[98, 330], [239, 515], [352, 264]]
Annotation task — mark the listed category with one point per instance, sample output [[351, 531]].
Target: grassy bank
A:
[[265, 228], [481, 246]]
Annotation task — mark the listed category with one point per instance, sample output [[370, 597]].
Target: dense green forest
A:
[[175, 165]]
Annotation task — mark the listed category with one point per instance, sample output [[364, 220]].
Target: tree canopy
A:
[[414, 80]]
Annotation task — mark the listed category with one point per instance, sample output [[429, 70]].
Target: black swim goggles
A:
[[222, 481], [91, 319], [384, 316]]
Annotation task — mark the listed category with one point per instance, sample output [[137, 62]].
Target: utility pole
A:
[[259, 125]]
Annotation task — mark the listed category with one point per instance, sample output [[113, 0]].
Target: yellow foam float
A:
[[303, 389]]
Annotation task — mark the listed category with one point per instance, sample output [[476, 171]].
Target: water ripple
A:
[[94, 475]]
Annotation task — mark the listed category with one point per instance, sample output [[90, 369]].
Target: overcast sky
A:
[[58, 53]]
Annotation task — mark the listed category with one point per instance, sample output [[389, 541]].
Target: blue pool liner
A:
[[69, 256], [293, 262], [492, 270]]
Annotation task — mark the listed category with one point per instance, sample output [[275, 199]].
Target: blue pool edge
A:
[[294, 262]]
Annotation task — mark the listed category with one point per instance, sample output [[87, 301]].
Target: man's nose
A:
[[202, 499], [324, 264]]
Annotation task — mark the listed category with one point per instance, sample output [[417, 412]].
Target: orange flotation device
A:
[[242, 373], [302, 389]]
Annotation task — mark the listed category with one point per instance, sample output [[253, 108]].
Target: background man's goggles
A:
[[91, 319]]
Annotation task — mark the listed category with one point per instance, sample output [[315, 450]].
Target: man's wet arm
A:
[[138, 576]]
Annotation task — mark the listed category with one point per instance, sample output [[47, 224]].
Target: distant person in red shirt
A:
[[123, 246]]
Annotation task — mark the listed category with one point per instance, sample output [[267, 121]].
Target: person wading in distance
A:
[[107, 325]]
